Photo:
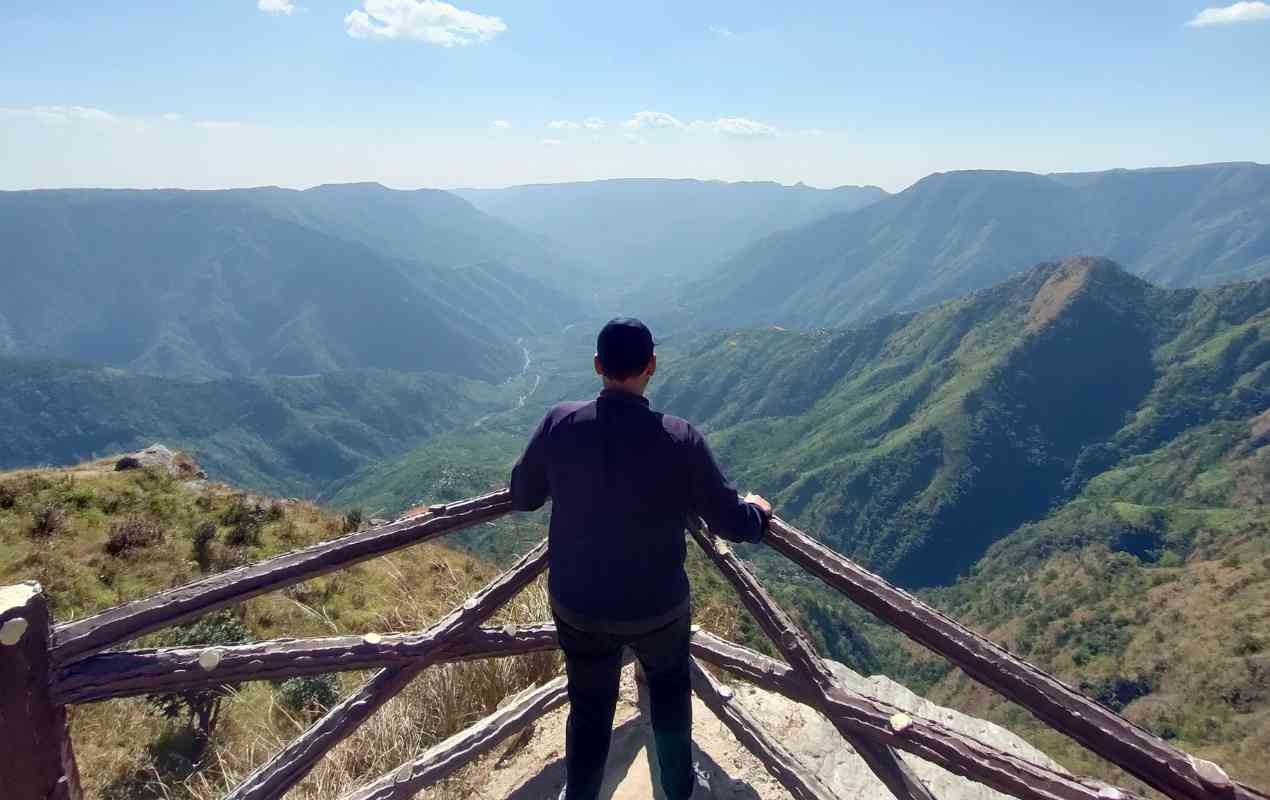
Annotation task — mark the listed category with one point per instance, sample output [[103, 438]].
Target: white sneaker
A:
[[700, 782]]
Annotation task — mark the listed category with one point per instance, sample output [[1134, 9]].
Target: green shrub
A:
[[201, 548], [309, 695], [75, 496], [245, 533], [353, 520], [8, 496], [48, 520], [131, 534], [202, 705], [1169, 559]]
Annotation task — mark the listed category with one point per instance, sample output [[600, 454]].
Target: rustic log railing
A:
[[44, 668]]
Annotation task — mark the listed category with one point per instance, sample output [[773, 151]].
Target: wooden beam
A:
[[129, 673], [36, 761], [1105, 733], [955, 752], [275, 778], [113, 626], [784, 766], [445, 757], [885, 763]]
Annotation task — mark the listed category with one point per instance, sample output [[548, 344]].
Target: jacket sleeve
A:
[[529, 485], [717, 501]]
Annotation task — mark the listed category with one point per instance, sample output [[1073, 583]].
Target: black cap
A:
[[625, 346]]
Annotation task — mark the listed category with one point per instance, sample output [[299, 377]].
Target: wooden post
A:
[[274, 779], [891, 770], [36, 761], [1104, 732], [784, 766]]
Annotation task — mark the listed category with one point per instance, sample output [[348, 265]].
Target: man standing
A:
[[623, 480]]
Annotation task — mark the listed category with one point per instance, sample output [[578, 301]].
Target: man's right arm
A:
[[529, 485], [717, 501]]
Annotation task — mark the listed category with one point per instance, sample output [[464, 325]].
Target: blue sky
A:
[[423, 93]]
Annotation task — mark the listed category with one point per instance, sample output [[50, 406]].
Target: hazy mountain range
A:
[[209, 284], [952, 233], [649, 229]]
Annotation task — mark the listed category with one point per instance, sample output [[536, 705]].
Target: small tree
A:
[[202, 705], [201, 547], [309, 695], [353, 520]]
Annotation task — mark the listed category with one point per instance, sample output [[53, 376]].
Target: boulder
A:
[[159, 457]]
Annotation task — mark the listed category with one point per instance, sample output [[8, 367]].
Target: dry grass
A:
[[442, 701], [127, 752]]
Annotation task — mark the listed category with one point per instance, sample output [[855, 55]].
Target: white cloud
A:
[[722, 32], [217, 124], [276, 6], [735, 126], [563, 125], [552, 142], [172, 116], [594, 124], [500, 124], [1243, 11], [430, 21], [61, 116], [650, 120]]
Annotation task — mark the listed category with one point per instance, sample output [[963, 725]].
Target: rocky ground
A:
[[531, 767]]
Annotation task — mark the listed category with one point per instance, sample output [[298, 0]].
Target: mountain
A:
[[1150, 591], [213, 284], [289, 435], [952, 233], [915, 442], [647, 229], [432, 226]]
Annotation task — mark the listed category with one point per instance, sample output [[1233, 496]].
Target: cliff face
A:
[[532, 766]]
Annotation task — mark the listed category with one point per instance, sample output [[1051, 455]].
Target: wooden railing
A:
[[44, 668]]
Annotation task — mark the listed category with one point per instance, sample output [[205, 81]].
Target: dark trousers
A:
[[594, 664]]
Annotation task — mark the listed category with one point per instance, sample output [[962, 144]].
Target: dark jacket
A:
[[623, 479]]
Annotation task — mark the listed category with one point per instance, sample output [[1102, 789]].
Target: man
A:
[[623, 480]]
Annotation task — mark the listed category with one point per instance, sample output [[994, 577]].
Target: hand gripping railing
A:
[[44, 668]]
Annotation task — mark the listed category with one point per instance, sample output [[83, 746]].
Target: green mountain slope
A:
[[952, 233], [915, 442], [1150, 591], [649, 229], [205, 284], [289, 435]]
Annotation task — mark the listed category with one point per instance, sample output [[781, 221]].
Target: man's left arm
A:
[[529, 485]]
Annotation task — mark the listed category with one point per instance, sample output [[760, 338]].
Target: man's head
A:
[[624, 354]]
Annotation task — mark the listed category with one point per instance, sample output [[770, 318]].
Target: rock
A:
[[534, 770], [159, 457]]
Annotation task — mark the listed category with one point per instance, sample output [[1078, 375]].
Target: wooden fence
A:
[[45, 667]]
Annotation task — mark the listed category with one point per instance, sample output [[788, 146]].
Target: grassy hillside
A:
[[952, 233], [94, 537]]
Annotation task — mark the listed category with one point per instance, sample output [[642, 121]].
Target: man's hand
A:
[[760, 501]]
